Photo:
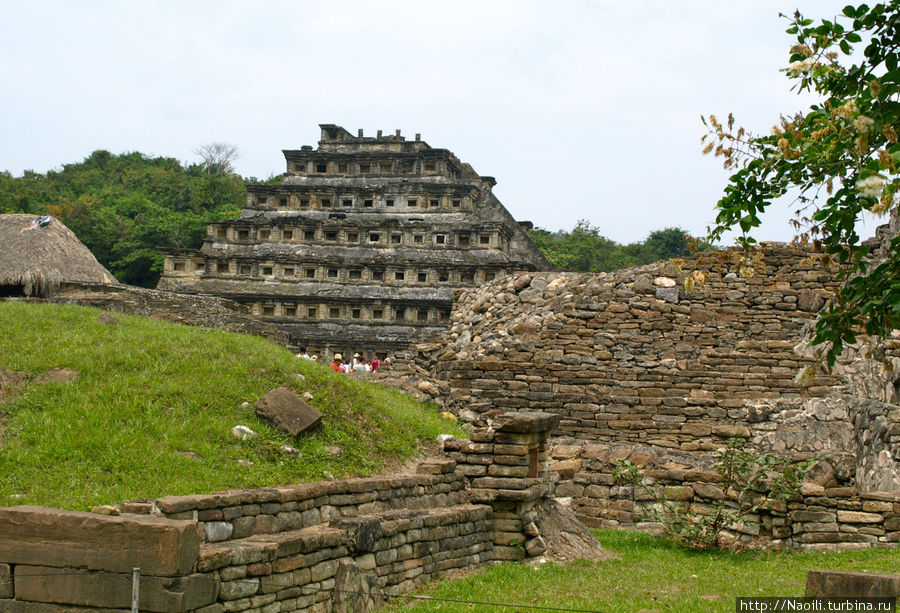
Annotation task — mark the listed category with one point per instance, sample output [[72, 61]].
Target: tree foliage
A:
[[583, 249], [839, 158], [127, 208]]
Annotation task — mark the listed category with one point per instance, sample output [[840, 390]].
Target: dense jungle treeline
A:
[[128, 208], [584, 249]]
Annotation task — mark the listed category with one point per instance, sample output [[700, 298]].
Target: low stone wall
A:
[[243, 513], [823, 517], [190, 309], [319, 547], [357, 561], [311, 547]]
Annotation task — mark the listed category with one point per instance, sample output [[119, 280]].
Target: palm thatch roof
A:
[[38, 260]]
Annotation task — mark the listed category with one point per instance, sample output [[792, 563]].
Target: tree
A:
[[216, 158], [839, 159], [584, 249], [668, 243], [127, 208]]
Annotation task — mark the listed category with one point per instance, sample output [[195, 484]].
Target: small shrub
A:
[[748, 480]]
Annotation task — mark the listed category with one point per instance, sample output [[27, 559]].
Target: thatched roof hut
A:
[[34, 261]]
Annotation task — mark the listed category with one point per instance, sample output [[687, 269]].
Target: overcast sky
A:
[[581, 110]]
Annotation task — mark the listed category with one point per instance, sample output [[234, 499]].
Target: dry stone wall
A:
[[631, 356], [331, 546], [828, 514]]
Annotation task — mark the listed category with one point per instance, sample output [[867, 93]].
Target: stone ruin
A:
[[650, 364], [361, 245], [315, 547]]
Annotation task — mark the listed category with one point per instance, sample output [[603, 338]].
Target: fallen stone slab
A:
[[287, 411]]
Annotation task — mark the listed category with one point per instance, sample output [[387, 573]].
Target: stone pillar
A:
[[507, 468]]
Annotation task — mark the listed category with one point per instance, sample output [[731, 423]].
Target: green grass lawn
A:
[[152, 409], [648, 574]]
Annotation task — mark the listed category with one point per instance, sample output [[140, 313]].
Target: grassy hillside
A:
[[151, 411]]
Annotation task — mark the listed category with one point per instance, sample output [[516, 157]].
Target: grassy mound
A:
[[151, 411]]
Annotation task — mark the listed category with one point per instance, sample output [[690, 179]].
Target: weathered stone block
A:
[[6, 584], [240, 588], [218, 531], [436, 467], [566, 468], [858, 517], [559, 452], [844, 584], [502, 483], [813, 516], [526, 422], [711, 492], [275, 582], [727, 431], [113, 590], [39, 535], [505, 470], [288, 412], [323, 570], [509, 538], [696, 429], [362, 533], [535, 546], [875, 506]]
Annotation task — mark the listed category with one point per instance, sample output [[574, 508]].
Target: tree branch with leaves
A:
[[838, 159]]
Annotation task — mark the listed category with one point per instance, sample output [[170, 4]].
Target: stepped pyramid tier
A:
[[360, 247]]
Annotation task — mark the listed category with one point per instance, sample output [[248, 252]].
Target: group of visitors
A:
[[358, 364]]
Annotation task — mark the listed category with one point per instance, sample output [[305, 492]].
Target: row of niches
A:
[[355, 236], [373, 166], [271, 271], [338, 201], [376, 313]]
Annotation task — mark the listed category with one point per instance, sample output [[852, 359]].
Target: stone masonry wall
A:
[[670, 360], [828, 514], [631, 356], [507, 468], [319, 547], [344, 545]]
